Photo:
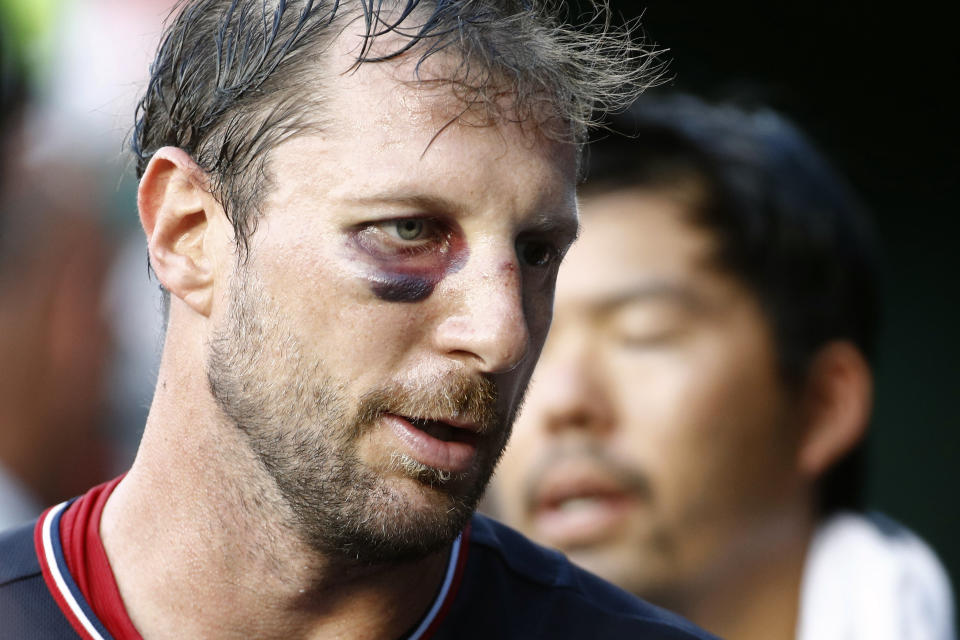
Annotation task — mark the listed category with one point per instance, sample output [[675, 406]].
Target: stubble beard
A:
[[295, 418]]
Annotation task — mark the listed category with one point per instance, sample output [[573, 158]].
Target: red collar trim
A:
[[76, 568], [77, 571]]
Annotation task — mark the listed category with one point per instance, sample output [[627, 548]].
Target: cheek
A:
[[326, 301], [538, 310], [693, 393], [709, 429], [676, 419]]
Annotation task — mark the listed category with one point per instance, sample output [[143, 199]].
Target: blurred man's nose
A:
[[487, 321], [569, 392]]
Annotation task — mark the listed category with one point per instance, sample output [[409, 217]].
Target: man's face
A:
[[375, 345], [655, 444]]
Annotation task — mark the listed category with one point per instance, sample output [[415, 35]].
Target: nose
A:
[[568, 391], [488, 322]]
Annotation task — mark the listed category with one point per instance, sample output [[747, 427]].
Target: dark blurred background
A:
[[874, 85]]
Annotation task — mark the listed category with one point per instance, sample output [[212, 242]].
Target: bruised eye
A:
[[536, 253], [403, 237], [409, 229]]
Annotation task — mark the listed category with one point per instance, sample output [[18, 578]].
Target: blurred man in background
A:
[[694, 428], [54, 342]]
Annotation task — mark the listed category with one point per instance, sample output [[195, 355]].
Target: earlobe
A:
[[175, 213], [837, 403]]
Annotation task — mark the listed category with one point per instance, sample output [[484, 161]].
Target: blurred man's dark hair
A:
[[788, 226]]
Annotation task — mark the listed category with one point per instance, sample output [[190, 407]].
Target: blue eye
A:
[[536, 254]]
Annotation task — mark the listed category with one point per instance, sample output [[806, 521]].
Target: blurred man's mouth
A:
[[579, 502]]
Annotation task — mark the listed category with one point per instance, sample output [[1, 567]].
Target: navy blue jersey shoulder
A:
[[27, 610], [513, 588]]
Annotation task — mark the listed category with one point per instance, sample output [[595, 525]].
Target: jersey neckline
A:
[[75, 602]]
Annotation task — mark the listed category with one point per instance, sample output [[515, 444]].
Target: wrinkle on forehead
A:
[[439, 92]]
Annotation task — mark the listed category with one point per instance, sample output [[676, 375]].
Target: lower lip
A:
[[588, 523], [454, 455]]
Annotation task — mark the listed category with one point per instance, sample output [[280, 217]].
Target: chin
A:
[[424, 497]]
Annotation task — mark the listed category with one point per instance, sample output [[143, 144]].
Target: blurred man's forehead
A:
[[633, 239]]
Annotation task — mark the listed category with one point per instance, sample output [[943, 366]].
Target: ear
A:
[[176, 211], [837, 400]]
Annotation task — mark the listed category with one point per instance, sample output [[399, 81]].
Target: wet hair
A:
[[787, 226], [232, 79]]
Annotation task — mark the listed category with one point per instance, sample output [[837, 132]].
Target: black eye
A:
[[535, 254], [409, 229]]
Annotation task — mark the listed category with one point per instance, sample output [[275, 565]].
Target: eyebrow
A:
[[428, 202]]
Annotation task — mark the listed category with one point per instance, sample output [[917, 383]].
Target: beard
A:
[[298, 421]]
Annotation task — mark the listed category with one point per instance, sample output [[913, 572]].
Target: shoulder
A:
[[528, 591], [26, 607], [18, 556], [868, 571]]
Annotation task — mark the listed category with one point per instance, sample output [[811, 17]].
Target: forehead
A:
[[633, 238], [382, 130]]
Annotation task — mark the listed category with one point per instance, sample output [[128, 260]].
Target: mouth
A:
[[581, 506], [446, 445], [444, 431]]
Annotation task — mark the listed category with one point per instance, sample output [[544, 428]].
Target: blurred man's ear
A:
[[176, 211], [837, 400]]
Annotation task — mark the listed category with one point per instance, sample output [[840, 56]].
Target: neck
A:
[[213, 558], [757, 595]]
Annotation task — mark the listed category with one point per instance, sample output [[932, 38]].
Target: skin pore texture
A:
[[657, 446], [330, 406]]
